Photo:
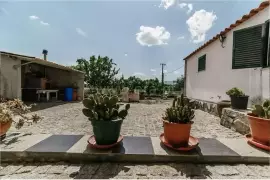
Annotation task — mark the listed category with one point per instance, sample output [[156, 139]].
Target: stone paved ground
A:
[[143, 120], [133, 171]]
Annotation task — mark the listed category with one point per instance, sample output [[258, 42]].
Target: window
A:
[[201, 63], [265, 36], [248, 47]]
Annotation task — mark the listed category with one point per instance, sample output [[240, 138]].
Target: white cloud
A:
[[153, 70], [199, 24], [167, 3], [181, 37], [189, 7], [33, 17], [138, 74], [165, 71], [176, 72], [182, 5], [81, 32], [149, 36], [126, 54], [44, 23]]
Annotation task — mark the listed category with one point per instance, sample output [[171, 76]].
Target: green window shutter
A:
[[201, 63], [265, 37], [247, 48]]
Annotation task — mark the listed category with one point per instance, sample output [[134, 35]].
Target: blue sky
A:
[[137, 35]]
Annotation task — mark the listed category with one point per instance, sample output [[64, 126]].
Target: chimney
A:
[[45, 52]]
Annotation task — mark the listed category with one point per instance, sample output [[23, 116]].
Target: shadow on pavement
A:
[[44, 105]]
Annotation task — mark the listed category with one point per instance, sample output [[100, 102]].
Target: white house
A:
[[235, 57]]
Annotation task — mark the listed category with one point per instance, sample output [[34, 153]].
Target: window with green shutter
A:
[[248, 48], [201, 63]]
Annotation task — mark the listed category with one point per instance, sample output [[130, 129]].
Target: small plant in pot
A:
[[238, 98], [106, 117], [9, 110], [259, 121], [177, 122]]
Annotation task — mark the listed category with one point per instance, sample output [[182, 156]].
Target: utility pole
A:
[[162, 76]]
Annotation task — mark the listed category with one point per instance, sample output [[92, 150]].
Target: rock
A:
[[240, 127]]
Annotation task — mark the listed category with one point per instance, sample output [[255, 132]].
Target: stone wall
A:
[[209, 107], [230, 118], [236, 120]]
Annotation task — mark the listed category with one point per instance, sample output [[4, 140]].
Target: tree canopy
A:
[[100, 72]]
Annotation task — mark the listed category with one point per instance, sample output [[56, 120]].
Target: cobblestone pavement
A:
[[132, 171], [143, 120]]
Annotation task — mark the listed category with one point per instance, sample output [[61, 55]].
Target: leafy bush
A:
[[235, 92]]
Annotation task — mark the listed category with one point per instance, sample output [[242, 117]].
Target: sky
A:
[[138, 35]]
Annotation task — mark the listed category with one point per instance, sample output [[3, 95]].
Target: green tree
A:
[[179, 85], [99, 71]]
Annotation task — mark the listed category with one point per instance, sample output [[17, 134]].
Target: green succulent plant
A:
[[104, 108], [263, 110], [235, 92], [181, 111]]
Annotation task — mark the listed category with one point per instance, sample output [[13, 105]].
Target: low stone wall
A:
[[230, 118], [236, 120], [209, 107]]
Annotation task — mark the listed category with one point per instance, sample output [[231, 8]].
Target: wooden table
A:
[[47, 92]]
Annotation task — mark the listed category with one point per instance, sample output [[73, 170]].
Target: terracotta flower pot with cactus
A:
[[177, 122], [106, 117], [259, 121], [9, 109]]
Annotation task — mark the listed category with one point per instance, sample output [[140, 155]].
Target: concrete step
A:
[[74, 148]]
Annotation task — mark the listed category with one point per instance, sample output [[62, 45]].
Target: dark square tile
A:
[[134, 145], [213, 147], [55, 143]]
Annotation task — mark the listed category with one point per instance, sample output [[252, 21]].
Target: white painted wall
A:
[[10, 78], [219, 76]]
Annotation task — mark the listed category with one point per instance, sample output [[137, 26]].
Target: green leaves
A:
[[235, 92], [99, 71]]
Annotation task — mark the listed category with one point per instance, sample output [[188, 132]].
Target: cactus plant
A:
[[104, 108], [181, 111], [262, 111], [235, 92]]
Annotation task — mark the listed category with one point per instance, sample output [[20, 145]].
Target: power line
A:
[[175, 69]]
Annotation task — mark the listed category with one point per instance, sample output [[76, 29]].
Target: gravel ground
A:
[[143, 120]]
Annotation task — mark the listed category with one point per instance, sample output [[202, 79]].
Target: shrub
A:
[[235, 92]]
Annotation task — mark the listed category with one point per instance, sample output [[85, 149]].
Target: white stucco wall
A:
[[10, 78], [219, 76]]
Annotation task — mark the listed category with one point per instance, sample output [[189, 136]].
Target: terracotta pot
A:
[[4, 128], [177, 134], [260, 129]]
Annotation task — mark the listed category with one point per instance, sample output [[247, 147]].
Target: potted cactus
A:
[[177, 122], [238, 98], [259, 121], [106, 117]]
